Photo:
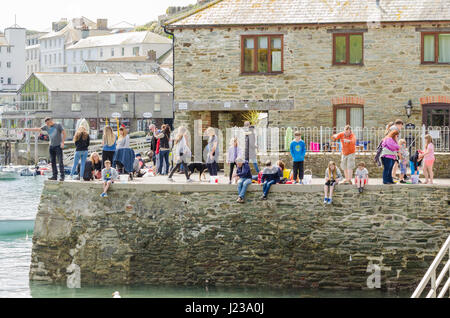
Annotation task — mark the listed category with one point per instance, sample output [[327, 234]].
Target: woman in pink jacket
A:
[[389, 155]]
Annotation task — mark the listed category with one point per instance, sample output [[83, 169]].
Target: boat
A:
[[8, 173]]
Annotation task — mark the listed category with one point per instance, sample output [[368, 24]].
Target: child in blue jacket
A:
[[298, 151]]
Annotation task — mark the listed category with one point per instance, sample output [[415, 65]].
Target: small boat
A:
[[8, 173], [27, 172]]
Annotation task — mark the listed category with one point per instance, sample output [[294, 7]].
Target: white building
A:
[[12, 62], [98, 48], [53, 45], [33, 54]]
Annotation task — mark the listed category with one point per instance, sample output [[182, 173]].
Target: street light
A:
[[408, 108]]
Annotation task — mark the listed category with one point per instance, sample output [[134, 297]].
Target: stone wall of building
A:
[[208, 67], [197, 234]]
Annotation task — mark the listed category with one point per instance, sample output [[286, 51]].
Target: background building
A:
[[33, 53], [138, 99], [121, 45]]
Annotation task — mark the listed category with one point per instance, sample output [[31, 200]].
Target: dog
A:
[[200, 167]]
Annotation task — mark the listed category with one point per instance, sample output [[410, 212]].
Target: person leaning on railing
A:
[[57, 135]]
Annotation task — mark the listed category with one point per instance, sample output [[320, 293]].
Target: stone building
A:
[[137, 100], [313, 63]]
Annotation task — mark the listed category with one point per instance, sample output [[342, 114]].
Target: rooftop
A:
[[127, 38], [279, 12], [93, 82]]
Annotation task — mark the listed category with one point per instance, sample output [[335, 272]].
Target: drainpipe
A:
[[173, 71]]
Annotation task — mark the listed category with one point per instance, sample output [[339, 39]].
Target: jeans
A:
[[388, 164], [179, 164], [255, 165], [242, 186], [163, 158], [212, 168], [413, 169], [232, 165], [79, 155], [298, 170], [266, 187], [56, 152]]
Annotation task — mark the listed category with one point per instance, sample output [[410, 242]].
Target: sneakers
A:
[[263, 197], [104, 195], [402, 181], [330, 200], [360, 190], [53, 178], [170, 179], [189, 181], [61, 179], [325, 200], [240, 200]]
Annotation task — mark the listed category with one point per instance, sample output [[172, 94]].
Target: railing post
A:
[[320, 146], [433, 283]]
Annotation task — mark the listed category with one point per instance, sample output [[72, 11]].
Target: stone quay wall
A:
[[197, 234], [208, 74]]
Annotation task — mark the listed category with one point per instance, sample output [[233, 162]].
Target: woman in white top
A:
[[182, 153], [124, 140]]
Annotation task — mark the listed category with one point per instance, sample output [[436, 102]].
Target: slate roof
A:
[[126, 38], [279, 12], [93, 82]]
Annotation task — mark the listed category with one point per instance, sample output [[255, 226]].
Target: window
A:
[[74, 69], [1, 80], [112, 52], [74, 55], [348, 114], [435, 48], [45, 59], [123, 51], [136, 51], [59, 58], [101, 52], [262, 54], [8, 49], [157, 107], [9, 81], [126, 105], [8, 64], [89, 54], [348, 49], [76, 102], [113, 99]]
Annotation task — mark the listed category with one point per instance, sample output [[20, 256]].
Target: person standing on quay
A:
[[250, 145], [212, 152], [389, 155], [298, 151], [164, 149], [348, 140], [109, 142], [182, 153], [82, 141], [57, 135]]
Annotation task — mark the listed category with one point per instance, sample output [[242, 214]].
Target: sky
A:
[[38, 15]]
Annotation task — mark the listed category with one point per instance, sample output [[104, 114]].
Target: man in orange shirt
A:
[[348, 141]]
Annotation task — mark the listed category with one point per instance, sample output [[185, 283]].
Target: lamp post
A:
[[408, 108]]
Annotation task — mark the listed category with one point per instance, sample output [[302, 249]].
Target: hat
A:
[[239, 160], [138, 155]]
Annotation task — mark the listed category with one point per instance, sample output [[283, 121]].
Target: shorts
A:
[[429, 162], [348, 162], [330, 183]]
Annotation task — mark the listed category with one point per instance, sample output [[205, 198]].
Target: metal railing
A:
[[12, 134], [318, 139], [431, 275], [138, 144]]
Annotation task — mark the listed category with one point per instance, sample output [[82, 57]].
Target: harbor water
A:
[[18, 208]]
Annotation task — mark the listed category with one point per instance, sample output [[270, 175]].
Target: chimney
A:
[[84, 31], [151, 56], [57, 26], [102, 24]]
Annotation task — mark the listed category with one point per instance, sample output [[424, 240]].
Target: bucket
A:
[[123, 178], [307, 177], [314, 146], [414, 179], [213, 179]]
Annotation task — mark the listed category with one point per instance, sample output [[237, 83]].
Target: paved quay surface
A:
[[223, 180]]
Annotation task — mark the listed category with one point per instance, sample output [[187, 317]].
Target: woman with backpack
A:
[[164, 149]]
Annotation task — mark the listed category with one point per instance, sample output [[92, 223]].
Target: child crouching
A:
[[270, 175], [332, 177], [362, 176], [108, 176]]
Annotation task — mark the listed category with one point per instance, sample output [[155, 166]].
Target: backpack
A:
[[377, 158]]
